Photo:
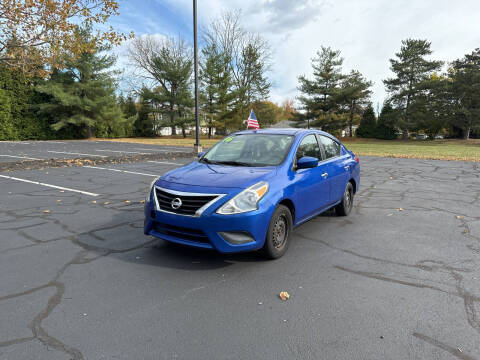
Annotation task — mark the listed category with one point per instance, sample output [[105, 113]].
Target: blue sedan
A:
[[251, 189]]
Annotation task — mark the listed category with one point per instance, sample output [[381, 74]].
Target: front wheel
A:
[[345, 206], [278, 234]]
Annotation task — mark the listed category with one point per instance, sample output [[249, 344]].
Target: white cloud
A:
[[367, 32]]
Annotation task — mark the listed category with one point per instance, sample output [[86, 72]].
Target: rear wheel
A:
[[278, 234], [345, 206]]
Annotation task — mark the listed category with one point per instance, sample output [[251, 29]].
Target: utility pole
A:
[[197, 148]]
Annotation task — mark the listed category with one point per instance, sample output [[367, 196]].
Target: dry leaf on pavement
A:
[[284, 295]]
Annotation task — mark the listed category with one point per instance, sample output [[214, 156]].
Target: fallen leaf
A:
[[59, 200], [459, 217], [62, 190], [284, 295], [400, 209], [106, 203], [127, 201], [142, 201], [46, 211], [94, 201], [391, 178]]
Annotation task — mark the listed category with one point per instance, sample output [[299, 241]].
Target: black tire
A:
[[278, 234], [345, 206]]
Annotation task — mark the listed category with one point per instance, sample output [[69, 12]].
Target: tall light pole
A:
[[197, 147]]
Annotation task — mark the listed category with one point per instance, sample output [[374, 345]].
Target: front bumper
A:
[[204, 231]]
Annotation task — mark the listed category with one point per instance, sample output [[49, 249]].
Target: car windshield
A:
[[250, 150]]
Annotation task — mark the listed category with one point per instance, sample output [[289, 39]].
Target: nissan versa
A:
[[251, 189]]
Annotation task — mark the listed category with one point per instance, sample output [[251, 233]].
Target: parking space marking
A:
[[72, 153], [21, 157], [164, 162], [172, 149], [118, 170], [126, 152], [49, 185]]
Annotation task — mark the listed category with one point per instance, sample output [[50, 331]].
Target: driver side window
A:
[[309, 147]]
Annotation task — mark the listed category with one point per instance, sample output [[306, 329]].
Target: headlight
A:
[[247, 200], [150, 188]]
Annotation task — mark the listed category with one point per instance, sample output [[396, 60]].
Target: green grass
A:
[[417, 149]]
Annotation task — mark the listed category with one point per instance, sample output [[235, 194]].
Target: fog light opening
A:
[[237, 237], [152, 214]]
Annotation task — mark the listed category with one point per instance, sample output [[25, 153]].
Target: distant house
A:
[[162, 128], [346, 131]]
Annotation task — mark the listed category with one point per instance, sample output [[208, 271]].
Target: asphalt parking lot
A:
[[397, 279], [28, 151]]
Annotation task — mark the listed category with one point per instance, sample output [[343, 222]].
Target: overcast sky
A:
[[368, 32]]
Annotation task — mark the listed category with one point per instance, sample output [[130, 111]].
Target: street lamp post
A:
[[197, 148]]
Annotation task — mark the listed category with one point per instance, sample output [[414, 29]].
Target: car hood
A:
[[210, 175]]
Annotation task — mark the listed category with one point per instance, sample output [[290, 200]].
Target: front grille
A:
[[189, 203], [181, 232]]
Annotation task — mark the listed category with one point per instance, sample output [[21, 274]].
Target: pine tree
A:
[[368, 124], [82, 96], [216, 84], [354, 95], [411, 70], [169, 64], [385, 125], [320, 96], [465, 93]]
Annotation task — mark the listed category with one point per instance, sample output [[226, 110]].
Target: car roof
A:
[[284, 131]]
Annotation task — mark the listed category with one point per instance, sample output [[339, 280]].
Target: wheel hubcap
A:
[[348, 199], [279, 232]]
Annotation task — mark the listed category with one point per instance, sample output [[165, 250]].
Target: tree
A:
[[434, 104], [82, 96], [386, 123], [17, 99], [144, 125], [35, 33], [215, 86], [249, 61], [320, 96], [355, 94], [168, 62], [267, 112], [465, 93], [288, 109], [368, 124], [411, 70]]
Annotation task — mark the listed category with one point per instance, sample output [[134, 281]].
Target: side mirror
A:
[[200, 154], [307, 162]]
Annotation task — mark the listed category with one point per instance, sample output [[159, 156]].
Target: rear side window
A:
[[309, 147], [331, 147]]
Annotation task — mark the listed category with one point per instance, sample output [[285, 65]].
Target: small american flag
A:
[[252, 122]]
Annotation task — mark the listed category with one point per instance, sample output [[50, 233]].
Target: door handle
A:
[[324, 175], [347, 167]]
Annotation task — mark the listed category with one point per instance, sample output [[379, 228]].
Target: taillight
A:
[[357, 159]]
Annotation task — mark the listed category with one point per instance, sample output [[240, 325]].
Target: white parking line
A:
[[126, 152], [21, 157], [172, 149], [49, 185], [164, 162], [73, 153], [123, 171]]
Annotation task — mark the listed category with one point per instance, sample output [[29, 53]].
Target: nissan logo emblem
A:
[[176, 203]]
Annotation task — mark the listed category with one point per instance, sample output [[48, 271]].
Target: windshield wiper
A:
[[206, 161], [233, 163]]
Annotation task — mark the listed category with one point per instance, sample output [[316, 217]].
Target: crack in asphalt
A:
[[379, 194]]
